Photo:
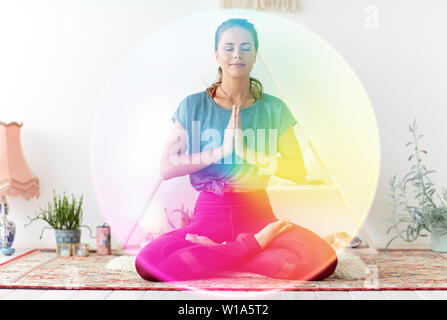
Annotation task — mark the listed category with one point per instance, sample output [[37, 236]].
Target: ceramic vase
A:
[[7, 228]]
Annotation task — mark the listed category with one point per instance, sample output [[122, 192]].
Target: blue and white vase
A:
[[7, 228]]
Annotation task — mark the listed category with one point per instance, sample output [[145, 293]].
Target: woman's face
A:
[[236, 53]]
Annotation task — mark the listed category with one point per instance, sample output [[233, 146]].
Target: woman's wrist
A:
[[223, 153], [217, 154]]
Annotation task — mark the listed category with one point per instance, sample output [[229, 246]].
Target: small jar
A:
[[103, 237]]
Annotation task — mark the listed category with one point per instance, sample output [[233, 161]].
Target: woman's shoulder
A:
[[266, 98], [271, 99], [194, 105], [272, 104], [195, 97], [193, 100], [200, 98]]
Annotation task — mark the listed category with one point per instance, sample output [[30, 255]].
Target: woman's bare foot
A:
[[194, 238], [271, 231]]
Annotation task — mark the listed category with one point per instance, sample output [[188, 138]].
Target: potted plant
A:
[[178, 218], [64, 216], [427, 215]]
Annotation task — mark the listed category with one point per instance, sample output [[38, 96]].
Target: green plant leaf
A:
[[60, 213], [416, 218]]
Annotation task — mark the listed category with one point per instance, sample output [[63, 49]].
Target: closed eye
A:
[[244, 49]]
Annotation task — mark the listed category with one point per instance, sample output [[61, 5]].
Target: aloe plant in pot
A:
[[426, 215], [64, 216]]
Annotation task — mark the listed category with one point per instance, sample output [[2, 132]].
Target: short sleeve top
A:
[[205, 122]]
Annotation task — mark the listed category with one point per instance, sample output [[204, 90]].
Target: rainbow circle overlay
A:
[[337, 128]]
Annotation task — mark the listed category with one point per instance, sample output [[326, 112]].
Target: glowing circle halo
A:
[[336, 128]]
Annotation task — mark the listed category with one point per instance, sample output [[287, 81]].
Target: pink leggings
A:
[[296, 254]]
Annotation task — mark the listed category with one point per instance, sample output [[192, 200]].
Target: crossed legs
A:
[[171, 257], [296, 253]]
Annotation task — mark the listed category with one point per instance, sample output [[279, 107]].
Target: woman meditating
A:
[[227, 139]]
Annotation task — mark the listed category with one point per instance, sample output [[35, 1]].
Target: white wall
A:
[[55, 58]]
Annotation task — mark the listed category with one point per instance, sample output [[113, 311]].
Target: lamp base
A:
[[7, 229], [8, 251]]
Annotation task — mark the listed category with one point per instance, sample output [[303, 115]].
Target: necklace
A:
[[231, 101]]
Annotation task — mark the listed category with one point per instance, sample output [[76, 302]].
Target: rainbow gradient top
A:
[[205, 121]]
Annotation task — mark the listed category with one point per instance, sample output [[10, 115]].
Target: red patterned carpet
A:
[[393, 270]]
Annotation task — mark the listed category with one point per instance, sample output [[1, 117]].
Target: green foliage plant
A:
[[61, 213], [426, 215]]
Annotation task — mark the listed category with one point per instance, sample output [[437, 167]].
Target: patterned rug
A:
[[393, 270]]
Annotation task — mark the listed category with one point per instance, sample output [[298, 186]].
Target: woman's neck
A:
[[237, 89]]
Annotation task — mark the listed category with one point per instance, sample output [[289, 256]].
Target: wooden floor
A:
[[38, 294]]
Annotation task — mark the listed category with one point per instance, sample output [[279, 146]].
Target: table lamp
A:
[[16, 179]]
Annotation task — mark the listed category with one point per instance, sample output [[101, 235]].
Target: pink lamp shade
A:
[[16, 178]]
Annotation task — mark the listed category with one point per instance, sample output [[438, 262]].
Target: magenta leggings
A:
[[297, 254]]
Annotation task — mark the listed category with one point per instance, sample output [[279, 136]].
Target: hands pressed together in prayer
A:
[[234, 135]]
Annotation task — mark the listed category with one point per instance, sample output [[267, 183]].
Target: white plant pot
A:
[[438, 241]]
